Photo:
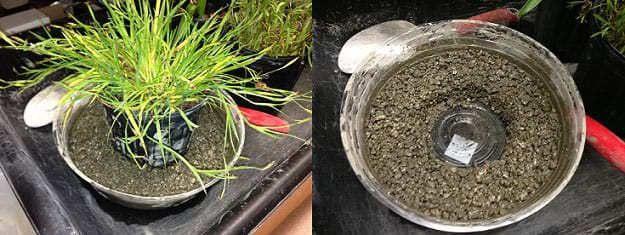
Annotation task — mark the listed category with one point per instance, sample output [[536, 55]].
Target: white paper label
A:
[[461, 149]]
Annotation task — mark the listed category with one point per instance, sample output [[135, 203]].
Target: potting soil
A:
[[96, 158], [400, 121]]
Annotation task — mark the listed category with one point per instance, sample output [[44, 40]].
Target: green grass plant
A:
[[196, 7], [149, 63], [282, 26], [610, 17]]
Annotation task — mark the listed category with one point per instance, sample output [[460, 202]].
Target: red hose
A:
[[610, 146], [265, 120], [502, 16]]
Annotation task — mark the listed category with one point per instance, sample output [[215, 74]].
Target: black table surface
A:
[[593, 201], [59, 202]]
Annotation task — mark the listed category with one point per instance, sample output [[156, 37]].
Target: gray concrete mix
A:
[[400, 121]]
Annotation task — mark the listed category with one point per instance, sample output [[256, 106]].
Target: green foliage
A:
[[148, 63], [586, 6], [197, 6], [610, 17], [283, 26], [528, 7]]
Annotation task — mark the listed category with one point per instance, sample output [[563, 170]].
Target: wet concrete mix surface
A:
[[402, 114], [94, 156]]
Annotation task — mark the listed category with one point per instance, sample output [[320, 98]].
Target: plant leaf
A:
[[528, 7]]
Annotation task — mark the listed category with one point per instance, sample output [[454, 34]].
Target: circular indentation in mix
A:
[[468, 135]]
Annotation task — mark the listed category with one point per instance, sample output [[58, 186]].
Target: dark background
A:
[[594, 200]]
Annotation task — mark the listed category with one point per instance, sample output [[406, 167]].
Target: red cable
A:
[[610, 146]]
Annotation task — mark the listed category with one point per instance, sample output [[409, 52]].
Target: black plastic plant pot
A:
[[601, 82], [272, 76], [174, 130]]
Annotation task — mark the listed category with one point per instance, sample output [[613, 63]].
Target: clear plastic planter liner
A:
[[426, 40], [62, 132]]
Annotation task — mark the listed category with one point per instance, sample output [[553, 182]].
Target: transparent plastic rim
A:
[[401, 49]]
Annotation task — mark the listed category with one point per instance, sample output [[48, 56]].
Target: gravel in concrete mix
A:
[[400, 121], [94, 156]]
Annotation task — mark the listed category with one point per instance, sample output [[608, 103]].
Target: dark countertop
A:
[[593, 202], [60, 203]]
